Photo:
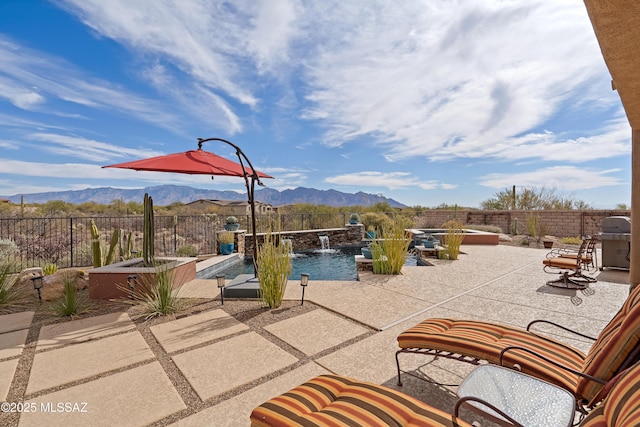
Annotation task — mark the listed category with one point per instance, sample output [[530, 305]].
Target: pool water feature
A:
[[321, 264]]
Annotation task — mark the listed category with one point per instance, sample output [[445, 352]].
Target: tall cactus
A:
[[95, 245], [126, 246], [115, 238], [148, 234]]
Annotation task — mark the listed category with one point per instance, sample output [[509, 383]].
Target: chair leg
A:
[[398, 366]]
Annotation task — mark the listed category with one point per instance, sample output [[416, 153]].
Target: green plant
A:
[[148, 234], [231, 220], [226, 237], [49, 269], [389, 253], [156, 295], [115, 238], [455, 235], [95, 245], [72, 303], [354, 217], [188, 251], [126, 246], [273, 267], [7, 247], [10, 294], [377, 220]]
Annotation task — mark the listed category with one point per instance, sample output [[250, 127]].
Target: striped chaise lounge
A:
[[616, 348], [332, 400]]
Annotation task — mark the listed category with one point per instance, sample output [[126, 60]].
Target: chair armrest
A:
[[488, 405], [564, 328], [559, 252], [546, 359]]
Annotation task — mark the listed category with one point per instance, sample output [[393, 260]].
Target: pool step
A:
[[243, 286]]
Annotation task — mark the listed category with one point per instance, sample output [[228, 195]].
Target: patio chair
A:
[[570, 267], [616, 348], [333, 400], [589, 258]]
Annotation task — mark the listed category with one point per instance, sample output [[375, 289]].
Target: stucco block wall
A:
[[557, 223]]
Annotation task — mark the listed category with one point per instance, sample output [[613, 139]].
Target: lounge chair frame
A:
[[627, 321], [570, 266]]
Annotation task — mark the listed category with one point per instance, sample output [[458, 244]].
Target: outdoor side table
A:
[[528, 400]]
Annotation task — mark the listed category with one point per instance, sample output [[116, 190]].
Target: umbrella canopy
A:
[[200, 162], [193, 162]]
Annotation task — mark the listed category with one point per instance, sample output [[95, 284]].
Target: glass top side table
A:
[[528, 400]]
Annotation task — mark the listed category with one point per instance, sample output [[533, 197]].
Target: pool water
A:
[[320, 264]]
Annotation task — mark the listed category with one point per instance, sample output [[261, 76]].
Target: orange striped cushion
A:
[[611, 350], [621, 408], [485, 340], [332, 400]]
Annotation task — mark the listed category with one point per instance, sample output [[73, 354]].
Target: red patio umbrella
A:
[[193, 162], [200, 162]]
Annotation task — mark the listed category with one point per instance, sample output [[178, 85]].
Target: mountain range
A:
[[166, 194]]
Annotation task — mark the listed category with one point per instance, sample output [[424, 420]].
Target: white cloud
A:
[[568, 178], [87, 149], [202, 38], [28, 75], [390, 180], [455, 77]]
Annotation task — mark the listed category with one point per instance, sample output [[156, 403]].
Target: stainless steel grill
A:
[[615, 235]]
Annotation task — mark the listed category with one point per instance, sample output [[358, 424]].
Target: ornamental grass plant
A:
[[72, 302], [155, 295], [455, 235], [273, 268], [10, 293], [390, 252]]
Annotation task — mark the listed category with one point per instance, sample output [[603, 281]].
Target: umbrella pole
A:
[[253, 226]]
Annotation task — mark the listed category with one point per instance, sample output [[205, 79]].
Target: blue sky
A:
[[425, 102]]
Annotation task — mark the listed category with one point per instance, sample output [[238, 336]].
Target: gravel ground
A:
[[251, 313]]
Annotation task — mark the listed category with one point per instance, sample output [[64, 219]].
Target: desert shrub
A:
[[49, 269], [72, 302], [10, 294], [188, 251], [7, 248], [379, 221], [274, 266]]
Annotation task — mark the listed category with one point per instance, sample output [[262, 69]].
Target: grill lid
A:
[[616, 224]]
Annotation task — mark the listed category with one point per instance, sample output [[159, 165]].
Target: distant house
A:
[[232, 207], [7, 201]]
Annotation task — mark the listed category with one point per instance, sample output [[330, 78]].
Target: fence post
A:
[[71, 242]]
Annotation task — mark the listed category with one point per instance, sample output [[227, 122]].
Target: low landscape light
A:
[[37, 285], [131, 283], [304, 281], [221, 282]]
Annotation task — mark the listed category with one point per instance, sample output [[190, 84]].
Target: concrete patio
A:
[[209, 368]]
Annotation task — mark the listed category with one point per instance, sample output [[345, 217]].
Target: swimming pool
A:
[[321, 264]]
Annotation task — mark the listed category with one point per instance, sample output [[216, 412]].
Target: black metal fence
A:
[[31, 242]]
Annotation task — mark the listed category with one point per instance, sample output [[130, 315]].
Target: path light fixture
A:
[[37, 285], [131, 283], [304, 281], [221, 283]]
